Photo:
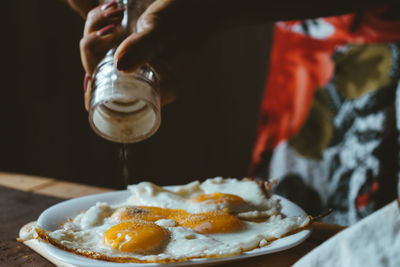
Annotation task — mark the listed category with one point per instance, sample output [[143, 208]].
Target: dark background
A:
[[208, 131]]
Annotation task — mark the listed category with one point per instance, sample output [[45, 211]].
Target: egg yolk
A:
[[219, 198], [135, 236], [212, 223]]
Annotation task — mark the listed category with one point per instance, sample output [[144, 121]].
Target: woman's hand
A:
[[168, 36], [102, 32]]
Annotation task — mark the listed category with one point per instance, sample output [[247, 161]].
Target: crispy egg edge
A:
[[43, 236]]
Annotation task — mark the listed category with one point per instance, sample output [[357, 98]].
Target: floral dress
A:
[[329, 123]]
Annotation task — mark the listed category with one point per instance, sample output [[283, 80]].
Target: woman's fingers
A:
[[102, 31], [95, 45], [102, 16], [137, 49]]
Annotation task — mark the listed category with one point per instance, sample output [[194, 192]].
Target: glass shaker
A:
[[125, 107]]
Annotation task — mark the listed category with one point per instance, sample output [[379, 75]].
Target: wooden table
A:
[[23, 198]]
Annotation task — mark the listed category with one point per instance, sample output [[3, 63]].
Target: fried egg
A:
[[216, 218], [235, 195]]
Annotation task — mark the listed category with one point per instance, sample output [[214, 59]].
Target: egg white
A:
[[149, 194], [183, 242]]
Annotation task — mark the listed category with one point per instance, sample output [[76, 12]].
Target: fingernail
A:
[[109, 4], [85, 82], [115, 13], [106, 30], [122, 62]]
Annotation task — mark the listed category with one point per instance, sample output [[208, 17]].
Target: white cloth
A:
[[373, 241]]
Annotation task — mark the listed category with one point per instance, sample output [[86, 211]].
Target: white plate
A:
[[53, 217]]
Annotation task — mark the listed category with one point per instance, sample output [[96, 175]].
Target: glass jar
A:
[[125, 107]]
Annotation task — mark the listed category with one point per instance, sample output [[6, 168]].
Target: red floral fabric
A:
[[314, 86], [300, 63]]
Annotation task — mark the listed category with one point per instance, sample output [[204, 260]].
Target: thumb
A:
[[136, 50]]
